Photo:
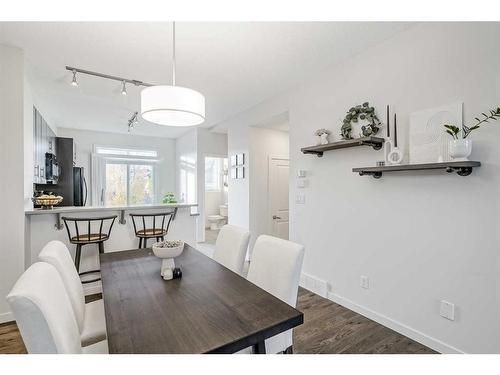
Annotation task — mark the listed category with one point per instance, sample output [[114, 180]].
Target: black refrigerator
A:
[[79, 187]]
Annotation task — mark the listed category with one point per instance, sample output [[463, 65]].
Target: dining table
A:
[[209, 309]]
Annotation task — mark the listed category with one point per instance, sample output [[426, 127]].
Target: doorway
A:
[[215, 210], [278, 202]]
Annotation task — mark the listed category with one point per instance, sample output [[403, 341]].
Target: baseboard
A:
[[6, 317], [313, 284], [399, 327]]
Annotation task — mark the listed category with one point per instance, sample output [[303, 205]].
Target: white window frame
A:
[[220, 176], [99, 161]]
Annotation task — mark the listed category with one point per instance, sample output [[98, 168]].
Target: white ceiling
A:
[[235, 65]]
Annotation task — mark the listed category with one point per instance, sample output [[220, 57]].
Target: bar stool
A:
[[88, 235], [151, 232]]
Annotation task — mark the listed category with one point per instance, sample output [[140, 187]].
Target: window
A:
[[129, 183], [213, 174], [127, 176]]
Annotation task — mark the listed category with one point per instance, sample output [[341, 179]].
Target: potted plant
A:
[[460, 146], [322, 135], [169, 198]]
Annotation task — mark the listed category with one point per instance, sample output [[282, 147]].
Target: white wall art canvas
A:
[[428, 141]]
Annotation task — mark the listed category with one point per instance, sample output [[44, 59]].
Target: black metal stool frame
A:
[[144, 237], [81, 240]]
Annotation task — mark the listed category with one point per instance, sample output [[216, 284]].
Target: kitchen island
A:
[[44, 225]]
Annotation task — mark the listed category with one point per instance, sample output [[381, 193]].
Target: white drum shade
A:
[[172, 106]]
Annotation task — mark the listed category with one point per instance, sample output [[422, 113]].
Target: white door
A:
[[278, 196]]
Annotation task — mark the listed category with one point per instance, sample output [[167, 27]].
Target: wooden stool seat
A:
[[89, 238], [86, 234], [150, 228], [150, 233]]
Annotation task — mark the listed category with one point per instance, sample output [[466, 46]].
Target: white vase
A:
[[323, 139], [460, 149]]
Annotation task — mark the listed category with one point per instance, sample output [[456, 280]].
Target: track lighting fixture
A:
[[73, 81], [133, 121], [123, 80]]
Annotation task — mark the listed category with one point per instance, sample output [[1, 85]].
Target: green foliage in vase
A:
[[360, 112], [454, 131], [169, 198]]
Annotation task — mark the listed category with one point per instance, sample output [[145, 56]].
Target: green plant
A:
[[360, 112], [455, 130], [169, 198]]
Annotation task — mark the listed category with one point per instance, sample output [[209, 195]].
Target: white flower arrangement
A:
[[322, 131]]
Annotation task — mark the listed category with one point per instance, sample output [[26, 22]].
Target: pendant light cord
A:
[[173, 53]]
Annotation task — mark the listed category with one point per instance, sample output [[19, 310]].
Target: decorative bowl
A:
[[168, 250], [47, 201]]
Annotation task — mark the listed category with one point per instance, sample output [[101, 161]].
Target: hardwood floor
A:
[[328, 328], [331, 328], [10, 339]]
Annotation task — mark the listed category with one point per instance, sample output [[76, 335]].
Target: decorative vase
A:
[[323, 139], [460, 149], [167, 254]]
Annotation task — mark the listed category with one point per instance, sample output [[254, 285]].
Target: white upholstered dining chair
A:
[[231, 247], [275, 267], [44, 314], [89, 316]]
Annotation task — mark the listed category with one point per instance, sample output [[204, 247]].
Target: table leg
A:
[[259, 348]]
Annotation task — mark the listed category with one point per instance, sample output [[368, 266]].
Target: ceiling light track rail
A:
[[107, 76]]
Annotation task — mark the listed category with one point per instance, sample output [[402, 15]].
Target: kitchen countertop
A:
[[72, 209]]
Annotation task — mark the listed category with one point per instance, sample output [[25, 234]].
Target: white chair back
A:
[[57, 254], [43, 311], [275, 267], [231, 247]]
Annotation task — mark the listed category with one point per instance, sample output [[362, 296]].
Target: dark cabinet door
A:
[[44, 141]]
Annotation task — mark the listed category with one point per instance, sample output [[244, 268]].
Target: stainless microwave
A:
[[51, 168]]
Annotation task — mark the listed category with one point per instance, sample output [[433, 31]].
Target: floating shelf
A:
[[463, 168], [374, 142]]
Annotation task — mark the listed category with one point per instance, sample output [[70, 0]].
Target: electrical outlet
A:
[[447, 310], [364, 282]]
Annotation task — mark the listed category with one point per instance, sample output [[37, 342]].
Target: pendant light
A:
[[172, 105]]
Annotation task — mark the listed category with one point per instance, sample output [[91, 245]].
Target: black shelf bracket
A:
[[319, 154], [461, 171], [376, 175]]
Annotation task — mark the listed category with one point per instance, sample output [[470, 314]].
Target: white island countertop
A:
[[73, 209]]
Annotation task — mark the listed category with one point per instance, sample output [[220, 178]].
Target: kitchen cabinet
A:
[[44, 140]]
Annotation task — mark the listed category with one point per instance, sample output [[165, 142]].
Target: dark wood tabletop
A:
[[209, 310]]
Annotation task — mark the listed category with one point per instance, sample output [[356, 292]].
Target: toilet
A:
[[217, 221]]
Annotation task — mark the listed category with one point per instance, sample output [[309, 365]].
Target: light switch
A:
[[301, 184], [301, 173], [300, 199], [447, 310]]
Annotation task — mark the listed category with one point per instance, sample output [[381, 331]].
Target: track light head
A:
[[124, 89], [74, 81]]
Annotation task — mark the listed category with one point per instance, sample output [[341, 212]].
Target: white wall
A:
[[422, 236], [263, 144], [238, 197], [86, 139], [12, 185]]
